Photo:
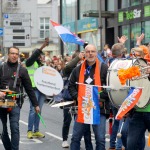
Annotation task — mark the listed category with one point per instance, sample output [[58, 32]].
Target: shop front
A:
[[133, 21]]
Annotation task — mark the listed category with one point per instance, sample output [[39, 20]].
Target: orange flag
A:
[[129, 102]]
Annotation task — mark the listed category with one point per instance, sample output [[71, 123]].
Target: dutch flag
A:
[[66, 35]]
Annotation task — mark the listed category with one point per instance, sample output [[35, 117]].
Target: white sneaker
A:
[[65, 144]]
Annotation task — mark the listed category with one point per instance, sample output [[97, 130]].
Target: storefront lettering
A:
[[133, 14]]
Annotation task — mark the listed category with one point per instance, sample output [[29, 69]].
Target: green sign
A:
[[87, 24], [147, 11], [120, 17], [133, 14], [129, 15]]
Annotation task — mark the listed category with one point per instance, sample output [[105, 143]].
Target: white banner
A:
[[48, 80]]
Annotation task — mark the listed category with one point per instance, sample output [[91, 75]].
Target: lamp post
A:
[[1, 24], [100, 26]]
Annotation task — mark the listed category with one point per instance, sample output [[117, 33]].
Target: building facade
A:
[[71, 17], [117, 18], [132, 17], [40, 27]]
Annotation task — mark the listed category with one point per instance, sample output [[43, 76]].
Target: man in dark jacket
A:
[[77, 57], [32, 64], [7, 78], [89, 78]]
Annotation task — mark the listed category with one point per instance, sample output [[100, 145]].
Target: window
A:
[[144, 1], [86, 5], [146, 31], [135, 2], [126, 32], [44, 28], [123, 3], [68, 11], [110, 5], [135, 32]]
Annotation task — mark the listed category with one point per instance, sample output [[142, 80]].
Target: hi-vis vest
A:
[[31, 71]]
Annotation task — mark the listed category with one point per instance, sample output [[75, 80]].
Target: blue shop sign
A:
[[87, 25], [1, 31]]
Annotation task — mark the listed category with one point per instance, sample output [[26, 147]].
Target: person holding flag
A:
[[93, 108]]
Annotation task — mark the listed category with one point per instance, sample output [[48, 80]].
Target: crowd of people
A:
[[83, 67]]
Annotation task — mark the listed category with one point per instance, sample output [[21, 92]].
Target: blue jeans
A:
[[99, 131], [14, 116], [33, 119], [124, 132], [139, 123], [113, 136]]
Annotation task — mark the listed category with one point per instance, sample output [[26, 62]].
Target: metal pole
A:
[[1, 16], [100, 26]]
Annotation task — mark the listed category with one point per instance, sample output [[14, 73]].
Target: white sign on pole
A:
[[48, 81], [17, 30]]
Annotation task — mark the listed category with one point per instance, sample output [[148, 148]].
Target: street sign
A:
[[17, 20], [17, 30], [5, 16], [1, 31]]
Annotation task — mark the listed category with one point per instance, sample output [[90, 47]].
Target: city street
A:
[[52, 141]]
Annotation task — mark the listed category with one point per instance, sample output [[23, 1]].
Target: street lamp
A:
[[100, 26]]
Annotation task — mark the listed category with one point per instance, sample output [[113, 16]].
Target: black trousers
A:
[[66, 123]]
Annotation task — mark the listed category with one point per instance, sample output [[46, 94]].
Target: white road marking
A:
[[25, 123], [50, 134], [55, 136]]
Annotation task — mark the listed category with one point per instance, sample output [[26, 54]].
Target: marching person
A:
[[8, 73], [33, 63], [93, 74], [77, 57], [140, 119]]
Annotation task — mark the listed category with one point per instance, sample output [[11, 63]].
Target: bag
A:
[[65, 93]]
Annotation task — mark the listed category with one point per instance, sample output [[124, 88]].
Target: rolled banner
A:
[[129, 102]]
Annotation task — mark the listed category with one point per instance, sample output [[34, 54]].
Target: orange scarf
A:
[[147, 57], [81, 88]]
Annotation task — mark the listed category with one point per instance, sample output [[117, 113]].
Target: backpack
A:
[[65, 93]]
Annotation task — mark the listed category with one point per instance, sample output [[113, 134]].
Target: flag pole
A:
[[94, 85], [111, 87]]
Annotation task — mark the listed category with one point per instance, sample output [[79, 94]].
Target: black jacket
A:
[[73, 87], [7, 77], [34, 58], [70, 66]]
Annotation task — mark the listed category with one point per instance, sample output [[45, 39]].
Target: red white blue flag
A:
[[129, 102], [88, 105], [66, 35]]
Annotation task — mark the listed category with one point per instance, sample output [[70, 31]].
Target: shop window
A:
[[44, 28], [135, 32], [86, 5], [123, 4], [110, 5], [68, 11], [135, 2], [146, 31], [126, 32], [144, 1]]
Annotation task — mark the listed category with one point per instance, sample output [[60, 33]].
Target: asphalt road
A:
[[53, 118]]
